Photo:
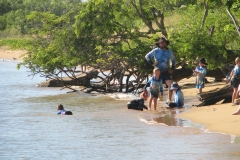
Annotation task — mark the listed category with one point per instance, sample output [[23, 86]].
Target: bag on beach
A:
[[68, 113]]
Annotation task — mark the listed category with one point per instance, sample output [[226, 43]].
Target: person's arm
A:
[[173, 61], [203, 73], [160, 86], [230, 76], [149, 56], [59, 112], [147, 84]]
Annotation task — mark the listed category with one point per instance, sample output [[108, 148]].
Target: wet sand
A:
[[216, 118]]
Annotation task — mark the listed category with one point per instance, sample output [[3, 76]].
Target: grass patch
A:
[[15, 43]]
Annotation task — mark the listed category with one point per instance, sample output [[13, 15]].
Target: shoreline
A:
[[8, 54], [215, 118]]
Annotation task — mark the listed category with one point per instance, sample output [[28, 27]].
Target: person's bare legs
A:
[[200, 90], [234, 94], [155, 103], [150, 102], [237, 95], [169, 82], [238, 111]]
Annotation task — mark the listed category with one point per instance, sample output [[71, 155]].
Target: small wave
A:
[[123, 96], [149, 121], [232, 137]]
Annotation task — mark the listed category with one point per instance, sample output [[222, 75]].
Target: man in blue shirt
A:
[[162, 57]]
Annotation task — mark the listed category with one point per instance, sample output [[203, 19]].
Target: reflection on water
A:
[[100, 128]]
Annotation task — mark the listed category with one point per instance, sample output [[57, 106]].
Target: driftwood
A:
[[104, 86], [179, 74], [216, 95], [80, 80]]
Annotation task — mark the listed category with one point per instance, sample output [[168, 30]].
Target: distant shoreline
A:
[[8, 54]]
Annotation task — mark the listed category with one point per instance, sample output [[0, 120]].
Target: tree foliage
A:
[[112, 35]]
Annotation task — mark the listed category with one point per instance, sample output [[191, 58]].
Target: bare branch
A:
[[157, 14], [141, 14], [205, 14], [234, 20]]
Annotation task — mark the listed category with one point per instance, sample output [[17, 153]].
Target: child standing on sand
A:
[[235, 78], [154, 83], [200, 72]]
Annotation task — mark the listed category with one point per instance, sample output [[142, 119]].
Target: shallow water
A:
[[101, 127]]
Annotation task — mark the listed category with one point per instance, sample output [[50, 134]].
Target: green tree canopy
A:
[[116, 35]]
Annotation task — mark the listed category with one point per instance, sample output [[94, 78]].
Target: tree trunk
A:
[[127, 83], [234, 21], [205, 14], [157, 14], [81, 80], [179, 74]]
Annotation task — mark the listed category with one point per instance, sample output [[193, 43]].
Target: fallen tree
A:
[[216, 95], [82, 79], [105, 80]]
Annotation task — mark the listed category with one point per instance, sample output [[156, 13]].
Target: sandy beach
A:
[[9, 54], [216, 118]]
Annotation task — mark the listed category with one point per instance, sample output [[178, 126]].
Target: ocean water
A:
[[101, 126]]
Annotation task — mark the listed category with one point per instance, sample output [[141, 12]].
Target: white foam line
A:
[[232, 137]]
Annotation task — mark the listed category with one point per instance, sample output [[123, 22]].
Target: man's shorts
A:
[[235, 82], [198, 86], [165, 76]]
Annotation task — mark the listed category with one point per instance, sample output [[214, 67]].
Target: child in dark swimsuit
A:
[[62, 111]]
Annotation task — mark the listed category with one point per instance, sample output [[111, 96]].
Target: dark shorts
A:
[[154, 94], [235, 82], [171, 104], [165, 76], [198, 86]]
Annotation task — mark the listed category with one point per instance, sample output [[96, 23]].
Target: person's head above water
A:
[[60, 107]]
